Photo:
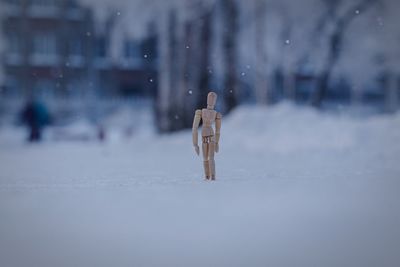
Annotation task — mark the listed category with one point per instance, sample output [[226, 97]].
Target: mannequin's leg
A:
[[206, 162], [211, 152]]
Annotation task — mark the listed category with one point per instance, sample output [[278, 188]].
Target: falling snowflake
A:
[[248, 67], [176, 117], [190, 92], [145, 55], [88, 33], [118, 13], [151, 80], [187, 47], [357, 11], [287, 41], [243, 74]]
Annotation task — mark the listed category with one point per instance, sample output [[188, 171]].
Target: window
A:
[[44, 3], [12, 7], [14, 44], [101, 47], [13, 2], [43, 8], [75, 48], [12, 86], [44, 44], [44, 49], [75, 53], [131, 50], [14, 49]]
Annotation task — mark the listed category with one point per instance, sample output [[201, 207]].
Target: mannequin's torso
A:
[[208, 116]]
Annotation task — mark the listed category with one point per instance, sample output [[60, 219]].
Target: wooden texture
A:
[[210, 138]]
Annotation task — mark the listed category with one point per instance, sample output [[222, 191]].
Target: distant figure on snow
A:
[[35, 116]]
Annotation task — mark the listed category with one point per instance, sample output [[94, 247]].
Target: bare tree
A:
[[261, 80], [204, 60], [229, 39], [390, 53], [290, 61], [193, 61], [340, 23], [190, 75], [391, 92], [164, 92], [185, 66]]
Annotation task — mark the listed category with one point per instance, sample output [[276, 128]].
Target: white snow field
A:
[[295, 188]]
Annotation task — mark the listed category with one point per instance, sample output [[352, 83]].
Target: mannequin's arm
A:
[[195, 134], [218, 120]]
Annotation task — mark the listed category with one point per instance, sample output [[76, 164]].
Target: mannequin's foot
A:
[[212, 178], [207, 178]]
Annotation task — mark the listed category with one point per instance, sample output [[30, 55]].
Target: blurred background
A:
[[87, 60], [308, 169]]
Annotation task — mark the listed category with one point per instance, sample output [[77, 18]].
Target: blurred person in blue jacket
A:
[[35, 116]]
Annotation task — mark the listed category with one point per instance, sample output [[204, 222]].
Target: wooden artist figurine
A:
[[209, 138]]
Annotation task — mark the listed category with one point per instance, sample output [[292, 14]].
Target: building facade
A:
[[52, 49]]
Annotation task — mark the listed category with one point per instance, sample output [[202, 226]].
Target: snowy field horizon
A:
[[295, 187]]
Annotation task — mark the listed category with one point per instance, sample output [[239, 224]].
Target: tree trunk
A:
[[163, 96], [288, 64], [289, 84], [321, 88], [392, 93], [261, 80], [191, 64], [187, 79], [204, 64], [173, 71], [229, 42], [334, 47], [335, 42], [178, 76]]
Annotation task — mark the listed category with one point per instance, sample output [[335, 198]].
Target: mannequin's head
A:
[[211, 100]]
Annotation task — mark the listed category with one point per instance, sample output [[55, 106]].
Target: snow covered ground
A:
[[295, 188]]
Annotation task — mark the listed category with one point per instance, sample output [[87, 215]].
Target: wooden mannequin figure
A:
[[209, 139]]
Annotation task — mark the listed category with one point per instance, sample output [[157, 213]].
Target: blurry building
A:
[[52, 49]]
